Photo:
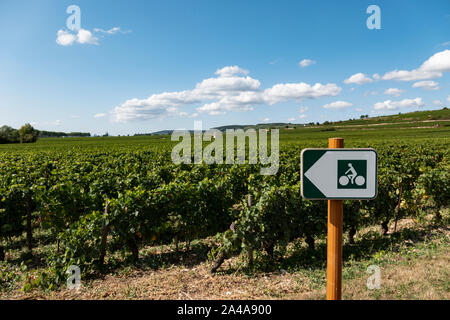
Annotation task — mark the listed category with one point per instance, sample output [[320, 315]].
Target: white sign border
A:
[[339, 149]]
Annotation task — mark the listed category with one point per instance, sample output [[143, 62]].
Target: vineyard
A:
[[99, 201]]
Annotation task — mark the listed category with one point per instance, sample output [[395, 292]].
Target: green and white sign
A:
[[339, 174]]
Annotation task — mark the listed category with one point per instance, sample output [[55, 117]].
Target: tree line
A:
[[28, 134]]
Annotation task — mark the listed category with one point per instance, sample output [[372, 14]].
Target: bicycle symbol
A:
[[351, 176]]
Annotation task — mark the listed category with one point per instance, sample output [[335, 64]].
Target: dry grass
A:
[[425, 278], [422, 278], [421, 273]]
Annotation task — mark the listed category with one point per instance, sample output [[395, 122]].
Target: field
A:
[[141, 227]]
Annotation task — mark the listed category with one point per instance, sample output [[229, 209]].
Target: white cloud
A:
[[231, 71], [437, 102], [302, 116], [100, 115], [83, 36], [338, 105], [298, 91], [216, 96], [227, 83], [431, 68], [359, 110], [303, 109], [291, 119], [394, 92], [376, 76], [65, 38], [448, 98], [427, 85], [57, 123], [413, 75], [393, 105], [306, 63], [358, 78], [266, 119], [439, 62]]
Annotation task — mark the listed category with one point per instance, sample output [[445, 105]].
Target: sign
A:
[[339, 174]]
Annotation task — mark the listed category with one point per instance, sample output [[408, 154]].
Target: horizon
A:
[[141, 67]]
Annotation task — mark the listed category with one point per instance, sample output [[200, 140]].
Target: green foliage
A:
[[28, 134], [152, 201], [434, 185], [8, 135]]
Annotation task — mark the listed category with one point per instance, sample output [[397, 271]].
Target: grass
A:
[[413, 261]]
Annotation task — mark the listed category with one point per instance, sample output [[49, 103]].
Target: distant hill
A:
[[162, 132], [416, 118], [398, 119]]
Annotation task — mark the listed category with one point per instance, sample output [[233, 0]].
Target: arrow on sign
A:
[[341, 174]]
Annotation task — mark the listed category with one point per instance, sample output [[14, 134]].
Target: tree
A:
[[8, 135], [28, 134]]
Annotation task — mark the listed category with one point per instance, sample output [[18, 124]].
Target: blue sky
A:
[[143, 66]]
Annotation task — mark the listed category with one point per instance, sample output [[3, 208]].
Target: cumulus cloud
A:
[[439, 62], [231, 90], [99, 115], [306, 63], [393, 92], [431, 68], [83, 36], [448, 98], [338, 105], [65, 38], [413, 75], [358, 78], [298, 91], [230, 71], [393, 105], [427, 85], [227, 83], [437, 102]]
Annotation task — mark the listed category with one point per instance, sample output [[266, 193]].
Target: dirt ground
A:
[[423, 278]]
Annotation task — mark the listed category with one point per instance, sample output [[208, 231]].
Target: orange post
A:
[[334, 242]]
